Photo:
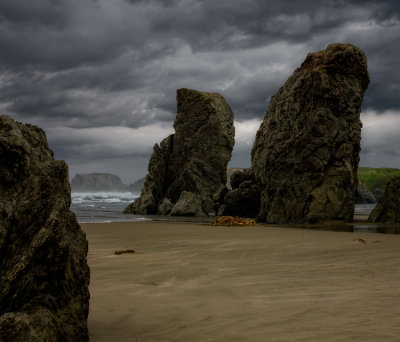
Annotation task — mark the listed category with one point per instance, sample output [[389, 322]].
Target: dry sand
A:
[[191, 282]]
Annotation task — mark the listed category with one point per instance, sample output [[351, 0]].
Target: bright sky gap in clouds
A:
[[100, 77]]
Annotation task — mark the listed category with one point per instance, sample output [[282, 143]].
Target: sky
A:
[[100, 76]]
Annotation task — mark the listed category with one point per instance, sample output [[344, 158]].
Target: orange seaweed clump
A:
[[233, 221]]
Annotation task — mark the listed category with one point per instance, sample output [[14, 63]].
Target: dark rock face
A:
[[189, 204], [364, 195], [306, 152], [240, 176], [244, 198], [229, 173], [388, 208], [44, 275], [98, 182], [378, 193], [192, 160], [152, 194]]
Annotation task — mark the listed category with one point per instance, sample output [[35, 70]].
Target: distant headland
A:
[[104, 182]]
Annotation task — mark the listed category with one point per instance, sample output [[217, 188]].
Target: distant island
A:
[[137, 186], [107, 182], [375, 179]]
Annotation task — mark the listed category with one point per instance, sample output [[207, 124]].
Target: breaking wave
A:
[[102, 206]]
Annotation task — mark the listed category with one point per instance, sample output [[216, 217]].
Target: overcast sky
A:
[[100, 76]]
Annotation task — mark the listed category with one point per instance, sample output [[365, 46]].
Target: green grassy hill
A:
[[376, 177]]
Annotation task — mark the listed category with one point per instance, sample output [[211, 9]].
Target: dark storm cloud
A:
[[58, 34], [111, 48], [96, 64], [44, 13]]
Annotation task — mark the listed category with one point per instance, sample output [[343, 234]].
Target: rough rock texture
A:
[[44, 276], [388, 208], [154, 188], [364, 195], [192, 160], [165, 207], [244, 198], [240, 176], [229, 173], [189, 204], [306, 152], [98, 182]]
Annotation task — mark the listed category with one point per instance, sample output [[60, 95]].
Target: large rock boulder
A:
[[193, 160], [306, 152], [98, 182], [388, 208], [44, 275], [244, 198]]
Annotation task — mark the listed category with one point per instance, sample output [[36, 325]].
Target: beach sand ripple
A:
[[194, 282]]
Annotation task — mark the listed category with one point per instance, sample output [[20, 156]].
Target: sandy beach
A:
[[196, 282]]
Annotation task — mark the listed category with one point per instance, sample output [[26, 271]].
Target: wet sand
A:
[[194, 282]]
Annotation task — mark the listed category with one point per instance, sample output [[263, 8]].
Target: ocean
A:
[[96, 207], [100, 207]]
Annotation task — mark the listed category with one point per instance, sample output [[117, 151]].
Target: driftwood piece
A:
[[124, 251]]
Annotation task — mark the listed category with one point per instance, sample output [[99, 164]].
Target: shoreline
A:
[[197, 282], [358, 225]]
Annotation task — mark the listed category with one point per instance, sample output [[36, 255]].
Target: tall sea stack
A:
[[306, 152], [188, 167], [44, 275]]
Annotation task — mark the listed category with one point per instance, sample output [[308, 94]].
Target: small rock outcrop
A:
[[244, 198], [388, 208], [44, 275], [306, 152], [229, 172], [364, 195], [98, 182], [188, 167], [378, 193]]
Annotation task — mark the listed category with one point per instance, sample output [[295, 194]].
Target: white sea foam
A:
[[102, 197], [102, 206]]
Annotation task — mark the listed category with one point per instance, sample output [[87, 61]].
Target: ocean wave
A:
[[102, 197], [102, 206]]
